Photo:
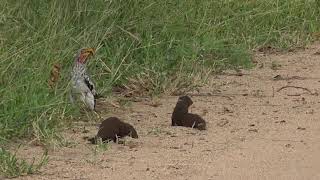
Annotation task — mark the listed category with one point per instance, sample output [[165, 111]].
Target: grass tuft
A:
[[11, 166]]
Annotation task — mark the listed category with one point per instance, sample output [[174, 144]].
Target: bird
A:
[[82, 88], [181, 116]]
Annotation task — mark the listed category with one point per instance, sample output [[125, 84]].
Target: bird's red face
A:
[[84, 54]]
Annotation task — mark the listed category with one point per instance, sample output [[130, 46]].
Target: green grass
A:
[[146, 45], [11, 166]]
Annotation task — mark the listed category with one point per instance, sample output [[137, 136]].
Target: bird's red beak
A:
[[84, 54]]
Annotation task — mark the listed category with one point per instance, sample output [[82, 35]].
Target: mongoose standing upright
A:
[[181, 116]]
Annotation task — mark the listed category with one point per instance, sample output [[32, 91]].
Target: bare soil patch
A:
[[262, 124]]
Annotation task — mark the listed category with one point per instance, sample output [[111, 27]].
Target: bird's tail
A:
[[97, 96]]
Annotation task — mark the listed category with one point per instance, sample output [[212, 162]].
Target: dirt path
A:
[[255, 131]]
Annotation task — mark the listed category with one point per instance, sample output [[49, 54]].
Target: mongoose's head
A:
[[185, 100]]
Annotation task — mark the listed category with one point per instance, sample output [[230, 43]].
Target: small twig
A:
[[194, 123], [117, 139], [210, 94], [281, 140], [234, 74], [293, 94], [228, 96], [243, 104], [114, 105], [285, 140], [272, 91], [297, 87]]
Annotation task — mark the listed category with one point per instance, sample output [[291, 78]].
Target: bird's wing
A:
[[90, 84]]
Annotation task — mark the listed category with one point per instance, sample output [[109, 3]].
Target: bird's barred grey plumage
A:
[[82, 88]]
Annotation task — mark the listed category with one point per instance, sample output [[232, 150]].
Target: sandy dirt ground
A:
[[263, 123]]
